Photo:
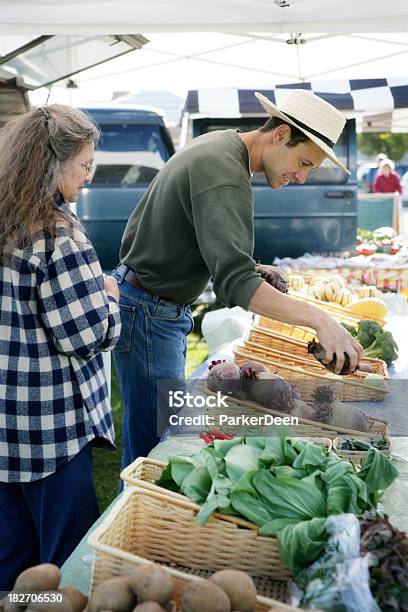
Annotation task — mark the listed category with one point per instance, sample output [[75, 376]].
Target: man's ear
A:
[[282, 134]]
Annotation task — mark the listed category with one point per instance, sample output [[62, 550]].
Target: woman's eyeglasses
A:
[[88, 166]]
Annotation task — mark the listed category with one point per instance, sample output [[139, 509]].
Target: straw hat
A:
[[316, 118]]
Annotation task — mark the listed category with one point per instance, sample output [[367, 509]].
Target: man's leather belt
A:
[[131, 277]]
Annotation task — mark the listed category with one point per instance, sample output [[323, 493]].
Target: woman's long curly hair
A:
[[35, 150]]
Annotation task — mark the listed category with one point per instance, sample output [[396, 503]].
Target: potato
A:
[[78, 600], [148, 606], [151, 583], [114, 594], [204, 596], [44, 577], [51, 606], [239, 587]]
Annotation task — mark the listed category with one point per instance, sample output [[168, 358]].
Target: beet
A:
[[316, 349], [224, 377], [252, 366], [365, 367], [272, 391]]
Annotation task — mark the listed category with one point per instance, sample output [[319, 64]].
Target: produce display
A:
[[43, 581], [252, 382], [375, 340], [146, 588], [352, 444], [337, 290], [388, 547], [381, 240], [284, 486]]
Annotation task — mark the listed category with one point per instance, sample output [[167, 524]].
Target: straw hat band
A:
[[316, 113], [326, 140]]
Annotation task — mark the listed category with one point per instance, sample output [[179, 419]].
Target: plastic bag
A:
[[221, 327], [339, 580]]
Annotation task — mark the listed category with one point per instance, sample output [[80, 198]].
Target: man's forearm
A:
[[269, 302]]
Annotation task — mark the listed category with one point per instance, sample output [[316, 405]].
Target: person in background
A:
[[57, 313], [380, 157], [387, 180], [195, 222]]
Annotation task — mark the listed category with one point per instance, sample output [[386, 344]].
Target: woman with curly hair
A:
[[57, 314]]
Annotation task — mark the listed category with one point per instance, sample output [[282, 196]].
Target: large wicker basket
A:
[[305, 427], [148, 526], [306, 376], [295, 347], [144, 472]]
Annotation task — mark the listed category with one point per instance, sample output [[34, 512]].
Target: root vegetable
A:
[[151, 583], [252, 366], [224, 377], [148, 606], [303, 410], [114, 594], [239, 588], [273, 391], [329, 410], [43, 577], [316, 349], [78, 600], [51, 606], [365, 367], [204, 596]]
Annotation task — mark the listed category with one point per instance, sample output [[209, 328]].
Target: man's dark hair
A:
[[296, 136]]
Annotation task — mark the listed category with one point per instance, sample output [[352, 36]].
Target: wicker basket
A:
[[143, 472], [295, 347], [293, 331], [305, 427], [146, 525], [358, 457], [306, 376]]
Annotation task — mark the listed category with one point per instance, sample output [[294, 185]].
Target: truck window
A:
[[127, 137], [328, 173]]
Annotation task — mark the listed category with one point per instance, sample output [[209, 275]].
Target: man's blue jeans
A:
[[152, 347]]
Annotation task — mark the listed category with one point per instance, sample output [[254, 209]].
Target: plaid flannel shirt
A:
[[55, 319]]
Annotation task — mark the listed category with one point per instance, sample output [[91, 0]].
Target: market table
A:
[[77, 570]]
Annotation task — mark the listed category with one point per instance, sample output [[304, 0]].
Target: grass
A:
[[107, 463]]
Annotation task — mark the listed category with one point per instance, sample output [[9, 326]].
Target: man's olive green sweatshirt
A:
[[195, 222]]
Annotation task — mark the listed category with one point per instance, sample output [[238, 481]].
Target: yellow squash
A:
[[371, 307]]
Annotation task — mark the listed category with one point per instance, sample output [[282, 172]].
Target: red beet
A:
[[273, 391], [252, 366], [224, 377]]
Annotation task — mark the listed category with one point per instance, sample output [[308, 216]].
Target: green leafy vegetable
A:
[[284, 486]]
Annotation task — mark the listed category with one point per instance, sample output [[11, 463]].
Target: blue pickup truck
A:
[[134, 145], [320, 216]]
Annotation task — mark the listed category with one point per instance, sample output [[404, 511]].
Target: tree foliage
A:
[[393, 145]]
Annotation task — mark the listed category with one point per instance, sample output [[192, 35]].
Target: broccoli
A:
[[368, 332], [350, 328], [384, 347]]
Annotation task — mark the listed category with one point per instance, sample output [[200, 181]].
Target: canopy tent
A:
[[377, 104], [223, 43], [123, 16]]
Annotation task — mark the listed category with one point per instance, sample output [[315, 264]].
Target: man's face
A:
[[283, 165]]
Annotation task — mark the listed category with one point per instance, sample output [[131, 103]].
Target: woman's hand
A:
[[111, 286]]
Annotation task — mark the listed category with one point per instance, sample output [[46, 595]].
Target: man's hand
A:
[[111, 286], [273, 276], [337, 340]]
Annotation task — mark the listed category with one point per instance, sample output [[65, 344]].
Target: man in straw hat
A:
[[195, 222]]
